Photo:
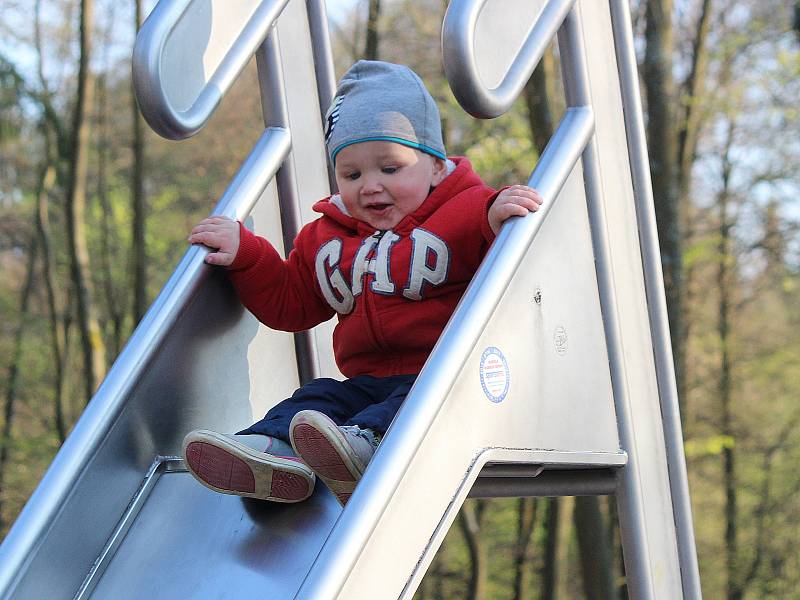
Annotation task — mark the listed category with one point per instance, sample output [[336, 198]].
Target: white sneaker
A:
[[338, 455], [243, 466]]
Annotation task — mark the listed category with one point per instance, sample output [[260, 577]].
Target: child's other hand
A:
[[515, 201], [220, 234]]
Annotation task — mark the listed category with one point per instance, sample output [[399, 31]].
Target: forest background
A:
[[95, 209]]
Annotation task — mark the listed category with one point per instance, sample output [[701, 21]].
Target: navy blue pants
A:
[[367, 401]]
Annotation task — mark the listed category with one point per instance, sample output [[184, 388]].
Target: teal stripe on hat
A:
[[386, 138]]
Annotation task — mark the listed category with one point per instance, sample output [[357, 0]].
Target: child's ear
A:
[[439, 171]]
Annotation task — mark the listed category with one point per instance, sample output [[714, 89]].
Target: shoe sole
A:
[[321, 446], [227, 467]]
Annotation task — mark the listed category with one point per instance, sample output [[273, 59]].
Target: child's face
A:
[[381, 182]]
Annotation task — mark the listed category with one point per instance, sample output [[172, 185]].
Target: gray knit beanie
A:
[[382, 101]]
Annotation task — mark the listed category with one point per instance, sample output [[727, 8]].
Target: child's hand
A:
[[515, 201], [220, 234]]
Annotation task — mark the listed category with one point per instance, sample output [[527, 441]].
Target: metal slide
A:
[[551, 378]]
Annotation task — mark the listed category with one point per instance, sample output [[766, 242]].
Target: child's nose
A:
[[372, 185]]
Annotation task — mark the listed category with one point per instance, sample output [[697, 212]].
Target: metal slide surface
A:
[[190, 542]]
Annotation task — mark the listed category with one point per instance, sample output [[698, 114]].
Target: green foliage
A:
[[712, 446], [11, 92], [506, 154]]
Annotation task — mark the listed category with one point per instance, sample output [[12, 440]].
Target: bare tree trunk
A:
[[470, 519], [687, 154], [690, 122], [724, 276], [91, 338], [796, 20], [57, 341], [113, 305], [12, 380], [773, 242], [526, 523], [568, 584], [373, 35], [51, 118], [763, 507], [57, 334], [594, 549], [138, 201], [615, 542], [662, 142], [549, 573], [53, 149]]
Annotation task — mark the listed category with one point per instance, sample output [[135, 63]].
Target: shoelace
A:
[[363, 433]]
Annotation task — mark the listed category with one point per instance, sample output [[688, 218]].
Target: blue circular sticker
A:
[[495, 376]]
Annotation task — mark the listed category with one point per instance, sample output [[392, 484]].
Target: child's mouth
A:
[[378, 207]]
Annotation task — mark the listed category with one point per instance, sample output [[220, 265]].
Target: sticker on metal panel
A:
[[495, 376], [560, 340]]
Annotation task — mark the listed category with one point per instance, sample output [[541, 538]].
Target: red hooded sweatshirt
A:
[[393, 291]]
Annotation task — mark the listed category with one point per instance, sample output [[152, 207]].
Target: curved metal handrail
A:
[[111, 397], [460, 67], [148, 83]]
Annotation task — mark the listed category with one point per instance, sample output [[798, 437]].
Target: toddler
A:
[[390, 256]]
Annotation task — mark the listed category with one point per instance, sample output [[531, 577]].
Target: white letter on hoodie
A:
[[426, 242], [331, 252]]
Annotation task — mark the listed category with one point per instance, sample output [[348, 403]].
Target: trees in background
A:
[[89, 223]]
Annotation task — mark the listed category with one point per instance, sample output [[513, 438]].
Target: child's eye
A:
[[353, 176], [389, 170]]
